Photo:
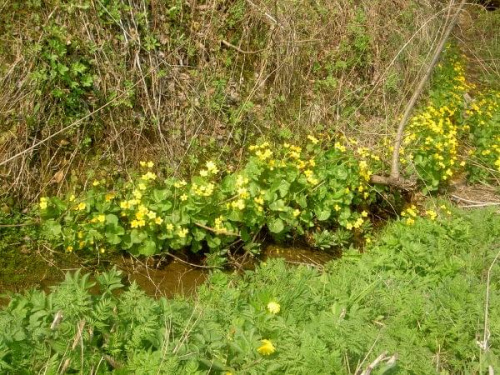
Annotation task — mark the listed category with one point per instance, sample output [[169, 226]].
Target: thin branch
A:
[[395, 178], [218, 231], [227, 44]]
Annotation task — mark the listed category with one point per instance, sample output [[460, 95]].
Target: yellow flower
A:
[[137, 223], [69, 249], [273, 307], [72, 197], [142, 163], [43, 203], [295, 214], [170, 226], [182, 232], [109, 197], [364, 214], [81, 206], [137, 194], [158, 220], [184, 197], [336, 207], [151, 215], [102, 250], [432, 214], [101, 218], [203, 173], [314, 140], [239, 204], [142, 186], [149, 176], [266, 348], [96, 183], [212, 168], [124, 205], [410, 221], [258, 200], [150, 164]]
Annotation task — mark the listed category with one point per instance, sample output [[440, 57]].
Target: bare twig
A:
[[382, 357], [218, 231], [484, 344], [395, 178], [476, 203], [227, 44]]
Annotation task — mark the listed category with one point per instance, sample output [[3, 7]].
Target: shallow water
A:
[[161, 279]]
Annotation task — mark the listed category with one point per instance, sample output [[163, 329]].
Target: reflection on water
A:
[[164, 279]]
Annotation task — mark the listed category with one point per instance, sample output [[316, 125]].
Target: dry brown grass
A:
[[222, 74]]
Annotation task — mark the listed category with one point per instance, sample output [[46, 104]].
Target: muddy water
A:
[[161, 279]]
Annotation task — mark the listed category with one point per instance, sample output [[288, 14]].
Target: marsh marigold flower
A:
[[273, 307], [267, 347]]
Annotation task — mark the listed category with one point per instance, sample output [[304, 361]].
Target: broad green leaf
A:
[[276, 226]]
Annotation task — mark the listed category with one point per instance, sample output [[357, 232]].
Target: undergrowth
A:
[[418, 294]]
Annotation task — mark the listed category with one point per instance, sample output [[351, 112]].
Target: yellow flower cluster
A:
[[273, 307], [43, 203], [211, 169], [267, 347], [410, 214], [310, 177], [356, 225], [262, 151], [202, 190], [148, 164]]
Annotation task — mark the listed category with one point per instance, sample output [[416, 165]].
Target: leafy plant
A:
[[287, 191], [419, 292]]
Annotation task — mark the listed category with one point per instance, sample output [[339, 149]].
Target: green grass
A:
[[418, 294]]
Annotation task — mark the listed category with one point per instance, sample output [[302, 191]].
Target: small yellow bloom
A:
[[137, 194], [211, 167], [150, 164], [109, 197], [170, 227], [96, 183], [184, 197], [81, 206], [313, 139], [142, 186], [101, 218], [432, 214], [158, 220], [72, 197], [296, 213], [102, 250], [364, 214], [273, 307], [43, 205], [266, 348], [69, 249], [258, 200], [151, 215], [203, 173], [182, 232]]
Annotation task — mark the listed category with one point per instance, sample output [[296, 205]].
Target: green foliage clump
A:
[[419, 294], [288, 191]]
